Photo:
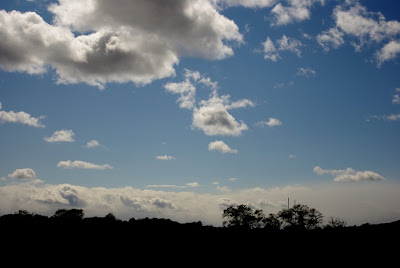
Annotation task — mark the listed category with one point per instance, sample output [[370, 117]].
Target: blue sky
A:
[[217, 102]]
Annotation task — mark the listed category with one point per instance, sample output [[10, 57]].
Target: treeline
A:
[[242, 218]]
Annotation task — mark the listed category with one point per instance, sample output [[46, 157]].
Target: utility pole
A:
[[288, 203]]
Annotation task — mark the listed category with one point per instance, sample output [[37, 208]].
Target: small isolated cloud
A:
[[232, 179], [272, 122], [349, 175], [193, 184], [20, 118], [396, 97], [294, 11], [292, 156], [63, 135], [165, 157], [215, 182], [272, 50], [81, 165], [332, 38], [224, 189], [23, 173], [92, 144], [307, 72], [221, 147], [386, 117], [389, 52]]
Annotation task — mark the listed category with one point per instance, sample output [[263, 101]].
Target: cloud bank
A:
[[358, 203], [349, 175]]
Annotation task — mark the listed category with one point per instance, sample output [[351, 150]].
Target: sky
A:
[[178, 109]]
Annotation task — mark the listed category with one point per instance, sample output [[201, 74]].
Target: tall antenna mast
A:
[[288, 203]]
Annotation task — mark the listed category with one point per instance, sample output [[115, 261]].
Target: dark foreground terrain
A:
[[73, 239]]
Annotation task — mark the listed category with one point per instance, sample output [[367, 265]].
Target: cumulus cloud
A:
[[96, 42], [81, 165], [332, 38], [370, 27], [165, 157], [92, 144], [386, 117], [212, 115], [307, 72], [224, 189], [63, 135], [221, 147], [272, 122], [358, 203], [294, 11], [23, 173], [20, 117], [349, 175], [272, 50]]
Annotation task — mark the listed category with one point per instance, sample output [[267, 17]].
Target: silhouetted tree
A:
[[243, 216], [335, 222], [300, 217], [69, 215], [272, 222]]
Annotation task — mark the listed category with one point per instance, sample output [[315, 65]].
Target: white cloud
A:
[[358, 203], [20, 117], [93, 144], [193, 184], [292, 156], [295, 11], [81, 165], [214, 119], [307, 72], [370, 27], [23, 173], [389, 52], [211, 116], [63, 135], [272, 122], [271, 50], [232, 179], [165, 157], [248, 3], [96, 42], [396, 97], [332, 38], [215, 182], [349, 175], [221, 147]]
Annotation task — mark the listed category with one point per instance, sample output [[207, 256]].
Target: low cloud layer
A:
[[358, 203]]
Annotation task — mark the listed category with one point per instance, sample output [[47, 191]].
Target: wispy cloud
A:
[[165, 157], [188, 185], [272, 122], [307, 72], [77, 164], [272, 50]]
